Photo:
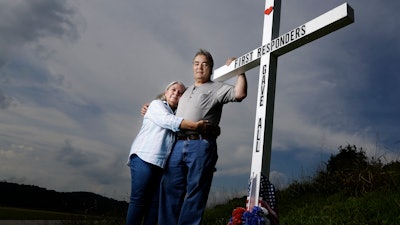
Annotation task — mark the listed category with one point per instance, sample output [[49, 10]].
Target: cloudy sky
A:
[[74, 74]]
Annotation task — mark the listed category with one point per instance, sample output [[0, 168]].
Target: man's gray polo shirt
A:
[[205, 102]]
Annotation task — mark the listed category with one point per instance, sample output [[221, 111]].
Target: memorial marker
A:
[[266, 56]]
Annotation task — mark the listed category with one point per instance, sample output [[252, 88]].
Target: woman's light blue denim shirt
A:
[[156, 137]]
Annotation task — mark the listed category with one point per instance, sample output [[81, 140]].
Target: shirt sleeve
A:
[[162, 115], [226, 93]]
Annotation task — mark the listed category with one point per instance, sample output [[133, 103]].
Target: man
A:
[[189, 171]]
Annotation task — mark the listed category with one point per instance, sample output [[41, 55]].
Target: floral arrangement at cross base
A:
[[241, 216], [263, 214]]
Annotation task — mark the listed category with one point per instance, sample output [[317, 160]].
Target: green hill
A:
[[36, 198], [351, 190]]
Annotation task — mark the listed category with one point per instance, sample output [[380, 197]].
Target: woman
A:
[[149, 153]]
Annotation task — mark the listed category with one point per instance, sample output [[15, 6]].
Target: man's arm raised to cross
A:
[[241, 83], [241, 87]]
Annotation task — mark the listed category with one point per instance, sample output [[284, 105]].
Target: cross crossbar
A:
[[322, 25]]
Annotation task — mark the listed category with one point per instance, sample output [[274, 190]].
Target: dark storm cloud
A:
[[27, 21], [24, 77], [23, 23], [5, 101], [74, 156]]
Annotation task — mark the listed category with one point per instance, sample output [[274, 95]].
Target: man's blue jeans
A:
[[145, 189], [186, 182]]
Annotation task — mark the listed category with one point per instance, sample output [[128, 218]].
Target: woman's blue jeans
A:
[[186, 182], [145, 188]]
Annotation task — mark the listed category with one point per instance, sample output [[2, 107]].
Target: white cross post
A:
[[266, 57]]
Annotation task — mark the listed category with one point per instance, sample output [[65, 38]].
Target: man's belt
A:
[[211, 132], [195, 137]]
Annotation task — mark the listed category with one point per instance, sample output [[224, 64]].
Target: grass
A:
[[10, 213], [378, 207], [351, 190]]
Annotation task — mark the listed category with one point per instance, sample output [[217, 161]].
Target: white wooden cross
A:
[[266, 57]]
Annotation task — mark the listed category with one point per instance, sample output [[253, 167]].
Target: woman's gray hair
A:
[[161, 96], [175, 82]]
